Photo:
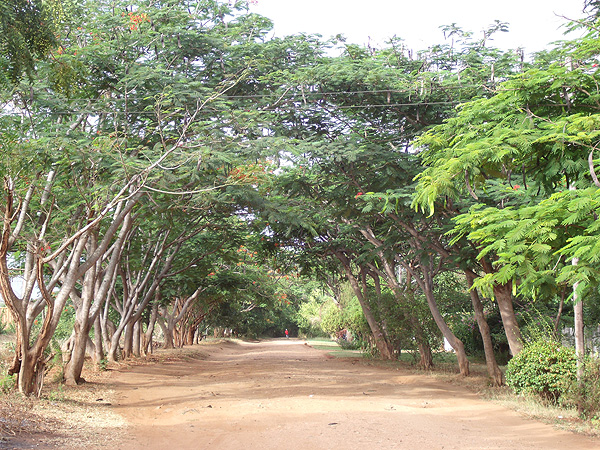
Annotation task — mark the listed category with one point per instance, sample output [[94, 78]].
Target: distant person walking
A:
[[287, 333]]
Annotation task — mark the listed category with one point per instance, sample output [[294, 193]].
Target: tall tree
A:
[[512, 153]]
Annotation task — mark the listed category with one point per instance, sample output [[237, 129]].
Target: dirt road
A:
[[282, 394]]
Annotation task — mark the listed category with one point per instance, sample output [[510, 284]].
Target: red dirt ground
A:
[[283, 394]]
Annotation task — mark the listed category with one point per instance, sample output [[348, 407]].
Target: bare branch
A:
[[592, 170], [469, 188]]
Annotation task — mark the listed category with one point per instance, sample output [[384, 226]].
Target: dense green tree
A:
[[352, 126], [526, 159], [27, 32], [123, 114]]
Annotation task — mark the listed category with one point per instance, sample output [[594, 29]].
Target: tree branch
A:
[[592, 170]]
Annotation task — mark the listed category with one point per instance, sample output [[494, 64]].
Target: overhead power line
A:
[[306, 93], [152, 113]]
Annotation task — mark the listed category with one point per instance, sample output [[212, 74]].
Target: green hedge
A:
[[544, 368]]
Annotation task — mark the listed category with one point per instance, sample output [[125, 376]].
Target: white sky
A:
[[532, 23]]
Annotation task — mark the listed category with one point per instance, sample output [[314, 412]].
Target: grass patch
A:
[[347, 353], [323, 344], [333, 348], [531, 407]]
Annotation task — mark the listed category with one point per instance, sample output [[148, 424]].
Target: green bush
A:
[[543, 368], [466, 329], [585, 395], [349, 317], [355, 344], [309, 319], [7, 383]]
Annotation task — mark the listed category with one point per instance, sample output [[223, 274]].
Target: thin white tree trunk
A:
[[579, 331]]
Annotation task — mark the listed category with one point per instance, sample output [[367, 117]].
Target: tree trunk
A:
[[579, 336], [136, 339], [28, 361], [73, 369], [490, 358], [115, 349], [79, 344], [425, 354], [112, 355], [128, 341], [147, 338], [189, 335], [98, 354], [457, 344], [579, 327], [561, 305], [177, 337], [97, 283], [104, 320], [381, 343], [82, 326], [29, 366], [380, 306], [167, 333], [169, 340], [503, 294], [31, 374], [32, 363]]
